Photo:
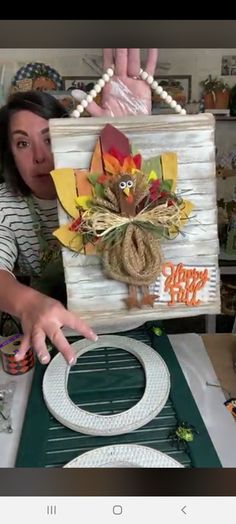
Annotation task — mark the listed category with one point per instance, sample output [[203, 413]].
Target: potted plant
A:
[[215, 93]]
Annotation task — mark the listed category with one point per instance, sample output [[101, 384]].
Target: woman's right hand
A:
[[126, 93], [44, 317]]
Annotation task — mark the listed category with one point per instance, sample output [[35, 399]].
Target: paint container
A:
[[8, 349]]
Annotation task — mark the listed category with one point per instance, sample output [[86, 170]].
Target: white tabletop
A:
[[198, 370]]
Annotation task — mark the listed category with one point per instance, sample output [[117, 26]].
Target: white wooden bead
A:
[[106, 77], [97, 88], [84, 103], [110, 71], [80, 108], [154, 84], [149, 79], [93, 93], [159, 90], [164, 95], [168, 99], [101, 82], [75, 113], [144, 75], [90, 98]]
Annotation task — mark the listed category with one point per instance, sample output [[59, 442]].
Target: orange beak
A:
[[126, 191], [129, 195]]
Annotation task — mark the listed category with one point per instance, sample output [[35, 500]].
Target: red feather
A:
[[137, 160], [117, 154]]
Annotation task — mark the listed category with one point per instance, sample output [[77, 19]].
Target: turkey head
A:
[[126, 195]]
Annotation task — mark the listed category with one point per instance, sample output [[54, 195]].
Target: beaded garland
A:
[[143, 75]]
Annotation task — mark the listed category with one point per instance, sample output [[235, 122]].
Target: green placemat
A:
[[111, 381]]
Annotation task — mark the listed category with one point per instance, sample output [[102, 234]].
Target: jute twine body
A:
[[135, 258]]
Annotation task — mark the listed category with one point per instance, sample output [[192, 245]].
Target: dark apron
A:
[[51, 280]]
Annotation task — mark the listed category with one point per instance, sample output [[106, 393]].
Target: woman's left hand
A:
[[125, 94]]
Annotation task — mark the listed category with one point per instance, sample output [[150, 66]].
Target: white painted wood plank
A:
[[185, 156], [202, 217], [201, 153], [169, 250], [147, 145], [194, 170], [200, 204], [129, 124], [199, 249], [97, 317], [92, 277], [192, 233]]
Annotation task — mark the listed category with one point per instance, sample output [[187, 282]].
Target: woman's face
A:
[[31, 147]]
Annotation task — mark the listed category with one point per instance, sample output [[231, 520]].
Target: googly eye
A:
[[130, 183], [122, 185]]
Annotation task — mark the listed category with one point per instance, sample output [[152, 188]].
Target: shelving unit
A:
[[225, 137], [225, 118]]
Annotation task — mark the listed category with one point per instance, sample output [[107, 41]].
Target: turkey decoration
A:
[[122, 209]]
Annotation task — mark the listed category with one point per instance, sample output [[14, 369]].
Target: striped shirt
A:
[[18, 240]]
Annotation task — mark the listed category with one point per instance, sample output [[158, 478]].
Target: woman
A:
[[28, 211]]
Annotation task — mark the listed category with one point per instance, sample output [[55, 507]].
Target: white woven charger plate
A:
[[123, 456], [154, 398]]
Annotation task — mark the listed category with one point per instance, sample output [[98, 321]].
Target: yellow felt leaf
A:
[[170, 168], [65, 184], [112, 165], [70, 239], [152, 176], [184, 216], [185, 211], [83, 201]]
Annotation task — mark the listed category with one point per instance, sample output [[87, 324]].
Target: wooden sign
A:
[[189, 281]]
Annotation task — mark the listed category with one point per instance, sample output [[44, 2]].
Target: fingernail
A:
[[71, 361], [44, 358], [93, 336]]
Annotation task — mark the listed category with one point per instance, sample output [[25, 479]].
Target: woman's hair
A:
[[38, 102]]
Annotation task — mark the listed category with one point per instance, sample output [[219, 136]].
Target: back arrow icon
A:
[[183, 510]]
